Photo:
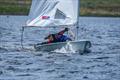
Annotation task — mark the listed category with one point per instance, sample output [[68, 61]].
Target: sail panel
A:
[[53, 13], [59, 14]]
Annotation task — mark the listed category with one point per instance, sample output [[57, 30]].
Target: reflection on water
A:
[[103, 63]]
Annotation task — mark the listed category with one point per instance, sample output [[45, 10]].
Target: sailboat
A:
[[56, 14]]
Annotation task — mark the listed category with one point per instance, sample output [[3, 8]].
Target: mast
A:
[[77, 26]]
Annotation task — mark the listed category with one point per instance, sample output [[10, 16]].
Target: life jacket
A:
[[59, 37], [62, 38]]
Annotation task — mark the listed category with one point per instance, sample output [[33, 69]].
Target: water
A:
[[103, 63]]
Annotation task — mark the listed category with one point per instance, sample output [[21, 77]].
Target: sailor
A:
[[58, 37]]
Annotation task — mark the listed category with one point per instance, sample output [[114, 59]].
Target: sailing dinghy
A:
[[57, 13], [74, 46]]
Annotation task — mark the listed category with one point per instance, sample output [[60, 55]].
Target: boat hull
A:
[[77, 46]]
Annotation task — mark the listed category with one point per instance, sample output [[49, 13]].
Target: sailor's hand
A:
[[66, 29]]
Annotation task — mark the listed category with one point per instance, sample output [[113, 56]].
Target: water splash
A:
[[68, 48]]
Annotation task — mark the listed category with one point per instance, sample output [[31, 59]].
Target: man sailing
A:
[[58, 37]]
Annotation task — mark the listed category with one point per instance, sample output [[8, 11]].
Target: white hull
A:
[[80, 46]]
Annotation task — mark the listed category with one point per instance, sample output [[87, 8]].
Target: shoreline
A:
[[82, 13], [88, 8], [8, 15]]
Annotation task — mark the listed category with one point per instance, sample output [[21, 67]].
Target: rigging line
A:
[[22, 34], [45, 27], [77, 32], [57, 26], [77, 27]]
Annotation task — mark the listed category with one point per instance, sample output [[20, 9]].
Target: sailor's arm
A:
[[63, 31]]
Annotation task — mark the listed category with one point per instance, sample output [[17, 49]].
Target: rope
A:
[[77, 32], [22, 34]]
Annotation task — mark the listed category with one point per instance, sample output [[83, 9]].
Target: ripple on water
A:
[[1, 72], [25, 74], [13, 62], [3, 50]]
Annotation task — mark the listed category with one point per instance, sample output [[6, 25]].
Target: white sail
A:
[[46, 13]]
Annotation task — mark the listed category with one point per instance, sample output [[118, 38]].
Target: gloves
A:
[[66, 29]]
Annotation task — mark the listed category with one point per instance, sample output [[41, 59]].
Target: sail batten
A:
[[53, 13]]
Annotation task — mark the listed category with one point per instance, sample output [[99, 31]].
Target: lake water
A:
[[103, 63]]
